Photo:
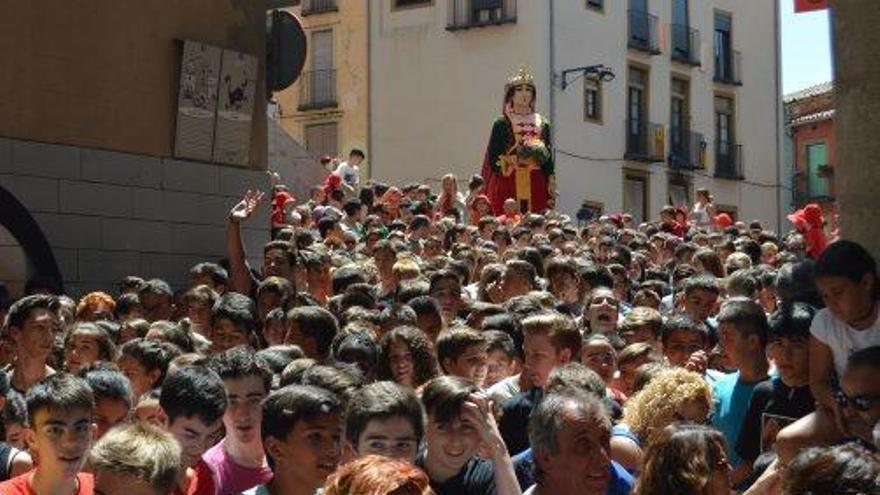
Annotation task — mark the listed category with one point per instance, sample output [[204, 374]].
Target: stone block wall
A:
[[108, 214]]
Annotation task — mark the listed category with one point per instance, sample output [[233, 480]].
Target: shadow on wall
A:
[[40, 261]]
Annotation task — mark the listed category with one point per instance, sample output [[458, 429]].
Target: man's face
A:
[[792, 356], [600, 357], [141, 379], [109, 412], [500, 366], [581, 466], [194, 436], [36, 335], [113, 483], [451, 445], [228, 335], [276, 263], [266, 302], [680, 344], [639, 334], [310, 453], [541, 357], [392, 437], [244, 414], [447, 292], [385, 259], [514, 284], [471, 365], [306, 342], [862, 389], [737, 348], [156, 306], [61, 439], [700, 304], [602, 312], [564, 286]]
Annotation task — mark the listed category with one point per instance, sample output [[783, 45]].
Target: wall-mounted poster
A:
[[235, 108], [197, 101]]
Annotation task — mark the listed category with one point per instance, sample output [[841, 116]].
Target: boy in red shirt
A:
[[60, 436]]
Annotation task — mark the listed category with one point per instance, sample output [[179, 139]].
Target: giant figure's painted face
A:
[[523, 95]]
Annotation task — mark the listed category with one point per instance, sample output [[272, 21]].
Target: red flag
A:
[[810, 5]]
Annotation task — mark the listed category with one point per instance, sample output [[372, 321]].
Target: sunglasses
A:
[[859, 403]]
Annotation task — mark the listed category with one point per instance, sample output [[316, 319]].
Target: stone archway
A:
[[24, 230]]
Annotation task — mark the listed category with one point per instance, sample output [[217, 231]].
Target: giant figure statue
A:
[[519, 159]]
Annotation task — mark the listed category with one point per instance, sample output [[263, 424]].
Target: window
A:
[[635, 111], [723, 58], [635, 196], [817, 163], [679, 193], [595, 4], [723, 125], [678, 120], [592, 99], [321, 139], [412, 3]]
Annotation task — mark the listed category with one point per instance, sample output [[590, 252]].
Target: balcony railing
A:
[[728, 161], [467, 14], [643, 32], [685, 44], [319, 6], [686, 150], [808, 188], [645, 141], [728, 67], [317, 89]]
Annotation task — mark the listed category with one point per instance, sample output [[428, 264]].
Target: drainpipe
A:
[[780, 144], [369, 90], [553, 71]]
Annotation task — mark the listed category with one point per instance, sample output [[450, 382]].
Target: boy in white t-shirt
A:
[[349, 170]]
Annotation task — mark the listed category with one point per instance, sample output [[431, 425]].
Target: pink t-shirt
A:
[[231, 477]]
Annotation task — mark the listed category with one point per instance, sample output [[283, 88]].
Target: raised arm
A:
[[239, 274], [478, 409]]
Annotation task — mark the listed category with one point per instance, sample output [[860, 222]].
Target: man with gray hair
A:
[[570, 433]]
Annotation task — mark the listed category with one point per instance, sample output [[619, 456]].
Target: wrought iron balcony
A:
[[728, 67], [467, 14], [728, 161], [686, 150], [317, 89], [685, 44], [644, 32], [645, 141], [319, 6]]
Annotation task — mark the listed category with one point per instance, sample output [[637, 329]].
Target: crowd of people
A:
[[399, 340]]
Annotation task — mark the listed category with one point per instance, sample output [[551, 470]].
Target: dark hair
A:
[[284, 246], [317, 323], [108, 383], [496, 340], [156, 286], [352, 206], [444, 396], [237, 308], [424, 358], [241, 362], [218, 274], [509, 324], [846, 259], [869, 356], [791, 321], [21, 309], [193, 390], [706, 283], [15, 410], [578, 376], [746, 316], [684, 322], [453, 342], [124, 304], [277, 357], [177, 334], [106, 347], [275, 285], [342, 379], [288, 405], [345, 276], [379, 401], [841, 469], [151, 355], [61, 392], [357, 152]]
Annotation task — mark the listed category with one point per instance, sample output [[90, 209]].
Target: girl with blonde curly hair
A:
[[674, 395]]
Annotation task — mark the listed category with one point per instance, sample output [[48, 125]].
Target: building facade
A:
[[327, 109], [810, 124], [695, 101]]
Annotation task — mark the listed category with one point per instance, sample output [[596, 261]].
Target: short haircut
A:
[[156, 286], [849, 468], [845, 259], [746, 316], [150, 354], [634, 351], [742, 283], [276, 285], [124, 304], [561, 265], [61, 392], [705, 283], [241, 362], [343, 379], [22, 309], [237, 308], [561, 329], [578, 376], [142, 451], [524, 270], [506, 323], [284, 246], [108, 383], [869, 356], [496, 340], [345, 276], [381, 401], [288, 405], [193, 391], [15, 410], [453, 342], [317, 323], [684, 322], [218, 274], [791, 321], [444, 396], [641, 316]]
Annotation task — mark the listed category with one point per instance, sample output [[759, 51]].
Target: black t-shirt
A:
[[477, 477], [514, 422], [772, 402]]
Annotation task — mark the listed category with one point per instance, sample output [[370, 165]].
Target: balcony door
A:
[[322, 66], [723, 62], [678, 119], [635, 112], [817, 157], [680, 29], [639, 29]]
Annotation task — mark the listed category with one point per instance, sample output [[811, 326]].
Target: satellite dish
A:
[[285, 49]]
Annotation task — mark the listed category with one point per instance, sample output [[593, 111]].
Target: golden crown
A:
[[522, 76]]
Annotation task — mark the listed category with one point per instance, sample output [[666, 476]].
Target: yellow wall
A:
[[349, 25], [104, 73]]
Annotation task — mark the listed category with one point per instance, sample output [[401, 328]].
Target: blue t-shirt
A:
[[621, 482], [732, 397]]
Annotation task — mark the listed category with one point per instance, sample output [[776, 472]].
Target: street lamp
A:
[[601, 72]]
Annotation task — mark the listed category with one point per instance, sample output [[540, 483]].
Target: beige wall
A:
[[458, 78], [349, 26], [104, 73]]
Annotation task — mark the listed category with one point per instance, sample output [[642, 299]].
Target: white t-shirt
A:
[[842, 338], [350, 173]]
